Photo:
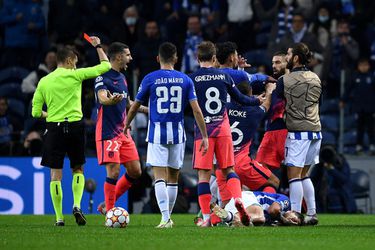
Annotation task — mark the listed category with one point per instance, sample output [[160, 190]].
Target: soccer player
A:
[[168, 92], [273, 204], [271, 150], [61, 92], [244, 121], [113, 147], [302, 89], [213, 86], [230, 214]]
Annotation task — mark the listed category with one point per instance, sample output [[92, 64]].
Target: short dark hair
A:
[[116, 48], [224, 50], [279, 53], [167, 52], [65, 53], [205, 51], [363, 60], [244, 87], [303, 52]]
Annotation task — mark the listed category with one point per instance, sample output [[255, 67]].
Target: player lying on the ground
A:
[[272, 209], [276, 209]]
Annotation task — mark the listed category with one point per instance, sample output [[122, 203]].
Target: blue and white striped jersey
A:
[[167, 92]]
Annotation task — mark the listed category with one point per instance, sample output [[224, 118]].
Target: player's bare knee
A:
[[77, 169], [135, 173], [113, 170], [274, 181]]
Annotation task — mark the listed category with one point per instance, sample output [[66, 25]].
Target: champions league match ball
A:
[[117, 217]]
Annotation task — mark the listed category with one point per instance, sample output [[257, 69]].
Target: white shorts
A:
[[248, 199], [299, 153], [165, 155]]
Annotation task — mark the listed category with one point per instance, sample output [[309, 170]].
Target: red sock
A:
[[234, 187], [204, 203], [109, 195], [269, 189], [123, 185], [204, 197]]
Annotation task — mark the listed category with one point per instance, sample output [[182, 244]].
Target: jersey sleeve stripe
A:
[[99, 84]]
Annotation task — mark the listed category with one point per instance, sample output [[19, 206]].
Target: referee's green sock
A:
[[57, 196], [78, 185]]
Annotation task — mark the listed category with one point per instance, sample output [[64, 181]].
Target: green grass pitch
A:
[[38, 232]]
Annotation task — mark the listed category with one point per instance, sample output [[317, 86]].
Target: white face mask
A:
[[131, 21], [288, 2]]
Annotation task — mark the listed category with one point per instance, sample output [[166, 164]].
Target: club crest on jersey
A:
[[99, 79], [111, 154]]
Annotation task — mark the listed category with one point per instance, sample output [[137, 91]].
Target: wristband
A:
[[98, 46]]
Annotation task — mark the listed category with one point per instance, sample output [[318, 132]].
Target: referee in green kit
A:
[[61, 92]]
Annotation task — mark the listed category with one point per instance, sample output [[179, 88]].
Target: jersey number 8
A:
[[174, 96], [213, 96]]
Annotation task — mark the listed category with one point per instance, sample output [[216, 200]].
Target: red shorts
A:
[[222, 147], [120, 149], [272, 148], [253, 175]]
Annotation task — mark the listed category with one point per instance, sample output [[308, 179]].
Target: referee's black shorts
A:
[[63, 138]]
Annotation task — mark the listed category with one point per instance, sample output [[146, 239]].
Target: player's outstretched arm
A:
[[270, 87], [106, 98], [201, 125], [142, 109], [243, 99], [131, 114]]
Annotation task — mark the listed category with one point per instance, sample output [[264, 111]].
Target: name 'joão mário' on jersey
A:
[[109, 123], [168, 92]]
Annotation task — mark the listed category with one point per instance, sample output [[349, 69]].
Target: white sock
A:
[[295, 194], [309, 195], [162, 198], [214, 189], [206, 217], [229, 217], [172, 189]]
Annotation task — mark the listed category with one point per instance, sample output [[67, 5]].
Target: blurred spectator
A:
[[5, 128], [240, 17], [131, 29], [360, 94], [299, 33], [331, 177], [24, 32], [31, 81], [32, 145], [146, 50], [324, 26], [341, 54], [66, 20], [281, 14], [193, 38]]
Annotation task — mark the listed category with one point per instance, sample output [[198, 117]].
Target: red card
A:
[[87, 37]]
